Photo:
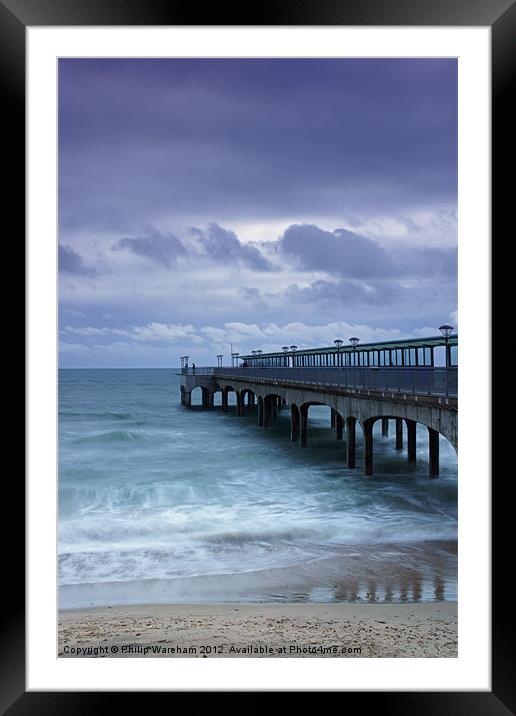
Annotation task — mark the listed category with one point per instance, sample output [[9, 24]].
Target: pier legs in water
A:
[[368, 446], [304, 424], [269, 407], [351, 441], [411, 440], [339, 426], [433, 452], [260, 412], [294, 423], [399, 434]]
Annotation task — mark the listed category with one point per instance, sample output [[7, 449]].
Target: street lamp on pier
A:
[[293, 349], [338, 342], [354, 340], [285, 351], [446, 331], [219, 360]]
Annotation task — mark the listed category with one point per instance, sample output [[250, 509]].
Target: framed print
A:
[[243, 297]]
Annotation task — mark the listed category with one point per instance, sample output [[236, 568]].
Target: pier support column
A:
[[368, 447], [339, 425], [385, 427], [351, 441], [433, 452], [182, 395], [260, 412], [294, 423], [188, 399], [411, 440], [278, 401], [250, 399], [304, 424], [211, 400], [332, 417], [224, 400], [399, 434], [267, 411], [240, 404], [274, 406]]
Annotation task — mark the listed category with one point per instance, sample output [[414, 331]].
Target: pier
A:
[[395, 382]]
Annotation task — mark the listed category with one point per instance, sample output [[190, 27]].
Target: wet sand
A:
[[260, 630]]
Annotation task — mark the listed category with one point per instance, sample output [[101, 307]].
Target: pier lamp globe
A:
[[446, 331], [338, 342], [284, 349], [354, 340]]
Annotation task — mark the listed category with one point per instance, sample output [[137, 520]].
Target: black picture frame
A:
[[500, 15]]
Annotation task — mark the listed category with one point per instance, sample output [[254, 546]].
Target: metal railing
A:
[[413, 380]]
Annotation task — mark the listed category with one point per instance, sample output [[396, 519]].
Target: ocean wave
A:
[[114, 436]]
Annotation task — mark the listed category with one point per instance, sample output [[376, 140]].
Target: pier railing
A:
[[415, 380]]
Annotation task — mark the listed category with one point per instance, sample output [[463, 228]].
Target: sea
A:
[[159, 503]]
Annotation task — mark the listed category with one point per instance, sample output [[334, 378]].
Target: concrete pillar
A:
[[224, 400], [411, 440], [351, 441], [267, 411], [385, 427], [304, 424], [339, 425], [274, 406], [260, 412], [182, 395], [188, 399], [294, 423], [240, 404], [211, 399], [368, 447], [332, 417], [433, 452], [399, 433]]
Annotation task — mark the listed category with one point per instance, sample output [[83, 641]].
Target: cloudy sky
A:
[[256, 202]]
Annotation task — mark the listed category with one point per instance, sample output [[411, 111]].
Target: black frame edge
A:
[[15, 15]]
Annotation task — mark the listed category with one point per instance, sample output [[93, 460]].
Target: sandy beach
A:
[[260, 630]]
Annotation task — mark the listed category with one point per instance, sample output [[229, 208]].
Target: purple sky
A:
[[256, 202]]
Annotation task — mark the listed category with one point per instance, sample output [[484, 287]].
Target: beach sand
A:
[[260, 630]]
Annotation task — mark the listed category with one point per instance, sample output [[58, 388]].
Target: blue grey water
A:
[[159, 503]]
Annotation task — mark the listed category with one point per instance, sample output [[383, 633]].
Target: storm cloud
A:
[[217, 205], [71, 262], [340, 251]]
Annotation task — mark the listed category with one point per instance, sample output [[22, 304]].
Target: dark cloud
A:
[[341, 252], [346, 292], [162, 248], [72, 262], [253, 138], [224, 246]]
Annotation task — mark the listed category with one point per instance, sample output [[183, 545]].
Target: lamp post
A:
[[354, 340], [293, 349], [446, 331], [219, 360], [338, 343], [285, 351]]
